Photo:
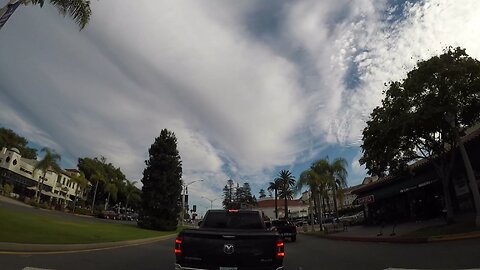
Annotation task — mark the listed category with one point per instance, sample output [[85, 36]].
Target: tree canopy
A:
[[411, 122], [286, 183], [238, 197], [162, 184], [79, 10], [419, 116], [10, 139]]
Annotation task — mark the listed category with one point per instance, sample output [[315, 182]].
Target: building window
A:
[[7, 160], [14, 162]]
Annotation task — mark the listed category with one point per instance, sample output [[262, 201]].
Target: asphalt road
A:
[[307, 253]]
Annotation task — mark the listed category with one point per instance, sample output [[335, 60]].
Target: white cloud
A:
[[240, 105]]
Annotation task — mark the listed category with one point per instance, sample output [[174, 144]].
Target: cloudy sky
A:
[[248, 87]]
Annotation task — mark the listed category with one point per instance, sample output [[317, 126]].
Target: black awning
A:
[[399, 187]]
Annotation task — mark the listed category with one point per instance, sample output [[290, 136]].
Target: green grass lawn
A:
[[22, 227]]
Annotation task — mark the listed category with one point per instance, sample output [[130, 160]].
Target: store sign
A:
[[366, 200]]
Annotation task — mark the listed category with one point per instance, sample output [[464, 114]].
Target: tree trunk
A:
[[94, 196], [312, 221], [39, 188], [286, 206], [335, 200], [76, 198], [108, 200], [276, 206], [448, 201], [320, 215]]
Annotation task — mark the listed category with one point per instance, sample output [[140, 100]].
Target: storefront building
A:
[[417, 194]]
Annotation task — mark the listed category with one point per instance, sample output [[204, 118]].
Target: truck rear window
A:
[[232, 220]]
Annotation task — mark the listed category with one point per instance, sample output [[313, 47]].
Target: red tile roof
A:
[[280, 202]]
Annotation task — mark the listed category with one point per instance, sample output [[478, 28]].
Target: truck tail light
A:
[[178, 246], [280, 249]]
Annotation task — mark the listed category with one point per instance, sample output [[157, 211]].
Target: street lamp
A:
[[211, 201], [185, 187], [450, 118]]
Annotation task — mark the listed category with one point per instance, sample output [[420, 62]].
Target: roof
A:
[[31, 162]]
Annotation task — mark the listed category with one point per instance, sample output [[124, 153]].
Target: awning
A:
[[32, 188], [397, 188]]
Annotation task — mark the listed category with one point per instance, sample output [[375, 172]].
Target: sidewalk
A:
[[13, 201], [399, 235]]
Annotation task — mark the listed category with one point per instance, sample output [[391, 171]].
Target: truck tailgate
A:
[[213, 249]]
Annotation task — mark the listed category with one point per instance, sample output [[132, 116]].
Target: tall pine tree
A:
[[161, 184]]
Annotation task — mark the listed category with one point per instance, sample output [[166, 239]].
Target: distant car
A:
[[300, 223], [285, 229], [109, 215], [352, 219]]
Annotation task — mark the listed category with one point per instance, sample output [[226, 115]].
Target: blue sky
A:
[[249, 87]]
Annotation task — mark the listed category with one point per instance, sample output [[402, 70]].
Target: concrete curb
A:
[[455, 237], [402, 240], [55, 248]]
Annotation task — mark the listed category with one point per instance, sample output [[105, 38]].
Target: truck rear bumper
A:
[[179, 267]]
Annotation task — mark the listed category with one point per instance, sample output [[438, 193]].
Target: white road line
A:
[[34, 268]]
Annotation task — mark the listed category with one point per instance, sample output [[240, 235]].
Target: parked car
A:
[[108, 215], [352, 219], [229, 239]]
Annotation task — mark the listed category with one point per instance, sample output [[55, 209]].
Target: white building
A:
[[20, 172], [296, 208]]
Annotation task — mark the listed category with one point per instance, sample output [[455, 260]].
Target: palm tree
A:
[[131, 192], [97, 177], [112, 191], [49, 162], [335, 175], [79, 10], [308, 178], [287, 181], [274, 186], [82, 182], [316, 179]]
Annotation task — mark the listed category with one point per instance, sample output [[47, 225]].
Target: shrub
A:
[[83, 211], [7, 189]]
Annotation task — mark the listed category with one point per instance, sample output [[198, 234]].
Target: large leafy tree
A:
[[109, 182], [162, 184], [78, 10], [229, 195], [238, 197], [286, 182], [419, 118], [9, 139], [48, 162]]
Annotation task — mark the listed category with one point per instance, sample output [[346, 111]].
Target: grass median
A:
[[22, 227]]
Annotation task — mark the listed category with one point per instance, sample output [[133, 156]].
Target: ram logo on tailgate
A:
[[228, 248]]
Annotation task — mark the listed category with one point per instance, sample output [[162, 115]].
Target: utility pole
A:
[[185, 188]]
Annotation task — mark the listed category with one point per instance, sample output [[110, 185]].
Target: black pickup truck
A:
[[229, 240]]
